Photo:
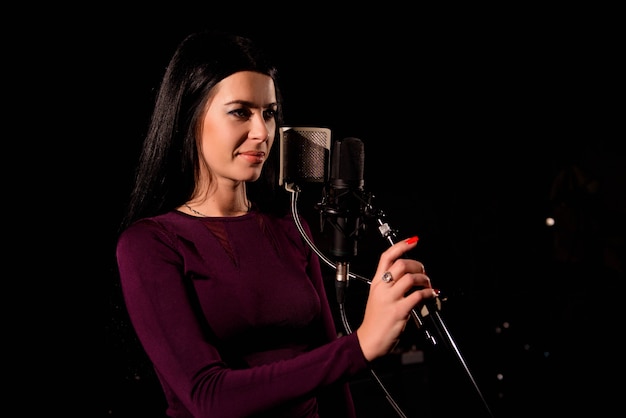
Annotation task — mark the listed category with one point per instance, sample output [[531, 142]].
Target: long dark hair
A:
[[169, 162]]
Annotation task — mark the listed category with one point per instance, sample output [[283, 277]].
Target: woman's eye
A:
[[241, 113], [270, 114]]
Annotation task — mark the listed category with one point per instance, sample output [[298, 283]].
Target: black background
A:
[[478, 124]]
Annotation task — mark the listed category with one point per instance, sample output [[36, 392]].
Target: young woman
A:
[[224, 293]]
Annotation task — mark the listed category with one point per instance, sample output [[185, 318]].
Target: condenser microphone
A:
[[342, 206], [304, 155], [345, 196]]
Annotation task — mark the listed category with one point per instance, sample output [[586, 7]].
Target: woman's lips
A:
[[255, 157]]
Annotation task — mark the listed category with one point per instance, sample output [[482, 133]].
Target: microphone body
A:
[[342, 207], [344, 199]]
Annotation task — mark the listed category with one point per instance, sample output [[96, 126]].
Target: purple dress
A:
[[233, 314]]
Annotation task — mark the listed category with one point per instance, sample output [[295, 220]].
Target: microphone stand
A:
[[340, 285], [429, 310]]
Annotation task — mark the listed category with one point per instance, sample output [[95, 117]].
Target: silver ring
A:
[[387, 277]]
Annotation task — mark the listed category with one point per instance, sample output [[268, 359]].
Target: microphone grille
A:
[[304, 154]]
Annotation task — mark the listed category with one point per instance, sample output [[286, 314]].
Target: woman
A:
[[223, 292]]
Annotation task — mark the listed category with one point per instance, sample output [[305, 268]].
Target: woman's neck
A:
[[220, 202]]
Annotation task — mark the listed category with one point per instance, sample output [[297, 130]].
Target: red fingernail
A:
[[412, 240]]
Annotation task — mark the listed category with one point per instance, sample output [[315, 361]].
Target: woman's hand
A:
[[388, 304]]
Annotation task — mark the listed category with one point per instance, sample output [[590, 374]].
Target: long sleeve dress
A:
[[233, 314]]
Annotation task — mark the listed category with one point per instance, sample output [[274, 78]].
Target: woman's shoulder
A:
[[164, 224]]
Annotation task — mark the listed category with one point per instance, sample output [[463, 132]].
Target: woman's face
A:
[[238, 126]]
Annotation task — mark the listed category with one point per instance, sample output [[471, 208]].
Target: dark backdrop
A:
[[477, 125]]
